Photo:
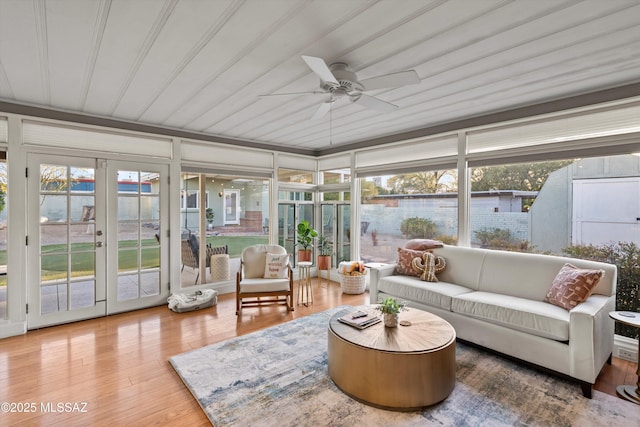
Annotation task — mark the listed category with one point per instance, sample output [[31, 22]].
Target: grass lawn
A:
[[54, 258]]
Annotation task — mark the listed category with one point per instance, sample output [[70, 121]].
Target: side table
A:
[[305, 293], [629, 392]]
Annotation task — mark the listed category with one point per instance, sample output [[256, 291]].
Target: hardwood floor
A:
[[118, 365]]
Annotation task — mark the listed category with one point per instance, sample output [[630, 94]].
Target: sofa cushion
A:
[[572, 286], [437, 294], [405, 258], [464, 265], [533, 317]]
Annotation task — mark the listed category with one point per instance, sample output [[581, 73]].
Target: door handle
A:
[[98, 244]]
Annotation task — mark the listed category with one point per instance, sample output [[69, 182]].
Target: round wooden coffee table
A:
[[403, 368]]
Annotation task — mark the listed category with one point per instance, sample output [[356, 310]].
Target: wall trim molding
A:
[[576, 101]]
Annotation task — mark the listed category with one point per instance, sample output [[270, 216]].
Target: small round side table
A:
[[305, 292], [629, 392]]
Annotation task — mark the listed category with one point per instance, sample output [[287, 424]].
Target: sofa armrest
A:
[[591, 333], [376, 273]]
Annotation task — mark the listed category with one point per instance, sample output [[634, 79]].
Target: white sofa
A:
[[495, 299]]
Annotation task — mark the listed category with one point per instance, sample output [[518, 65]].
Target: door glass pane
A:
[[149, 234], [150, 283], [343, 240], [53, 179], [67, 238], [138, 225], [286, 227], [53, 208], [128, 207], [127, 260], [53, 268], [82, 293], [128, 287], [149, 208], [83, 208], [53, 298], [150, 257]]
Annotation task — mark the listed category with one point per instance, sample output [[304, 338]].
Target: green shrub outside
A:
[[418, 228], [498, 238]]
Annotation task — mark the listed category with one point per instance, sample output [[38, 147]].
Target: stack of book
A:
[[359, 320]]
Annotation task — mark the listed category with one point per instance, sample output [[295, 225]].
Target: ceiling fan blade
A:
[[402, 78], [374, 103], [322, 110], [321, 69], [315, 92]]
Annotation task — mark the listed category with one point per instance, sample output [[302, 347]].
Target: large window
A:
[[395, 208], [190, 199], [236, 216]]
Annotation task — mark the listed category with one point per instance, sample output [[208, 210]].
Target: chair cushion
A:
[[264, 285], [533, 317], [572, 286], [276, 266]]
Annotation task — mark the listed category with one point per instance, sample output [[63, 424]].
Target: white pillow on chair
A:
[[276, 266]]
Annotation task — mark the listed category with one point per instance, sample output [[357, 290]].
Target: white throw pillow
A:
[[276, 266]]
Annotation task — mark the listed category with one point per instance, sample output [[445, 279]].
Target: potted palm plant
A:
[[325, 251], [305, 235]]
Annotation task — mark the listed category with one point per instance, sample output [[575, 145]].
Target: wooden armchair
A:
[[264, 277]]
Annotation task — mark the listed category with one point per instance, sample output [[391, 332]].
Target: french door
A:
[[336, 225], [289, 215], [95, 238]]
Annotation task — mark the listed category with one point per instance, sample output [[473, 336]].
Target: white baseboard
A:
[[625, 348]]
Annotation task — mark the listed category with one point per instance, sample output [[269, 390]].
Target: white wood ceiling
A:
[[201, 65]]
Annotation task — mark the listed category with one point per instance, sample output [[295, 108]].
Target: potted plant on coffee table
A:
[[304, 238], [390, 308]]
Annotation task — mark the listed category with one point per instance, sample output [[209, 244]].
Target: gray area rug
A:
[[278, 377]]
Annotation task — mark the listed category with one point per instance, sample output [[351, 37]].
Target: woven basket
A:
[[352, 284], [219, 267]]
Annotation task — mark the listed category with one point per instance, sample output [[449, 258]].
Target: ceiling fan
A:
[[338, 81]]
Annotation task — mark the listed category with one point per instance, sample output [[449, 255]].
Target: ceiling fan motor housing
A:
[[346, 78]]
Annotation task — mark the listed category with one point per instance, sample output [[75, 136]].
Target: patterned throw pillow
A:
[[276, 266], [572, 286], [428, 265], [405, 258]]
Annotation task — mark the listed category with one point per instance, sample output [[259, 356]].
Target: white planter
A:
[[390, 320]]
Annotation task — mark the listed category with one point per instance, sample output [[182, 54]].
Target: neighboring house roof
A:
[[490, 193]]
